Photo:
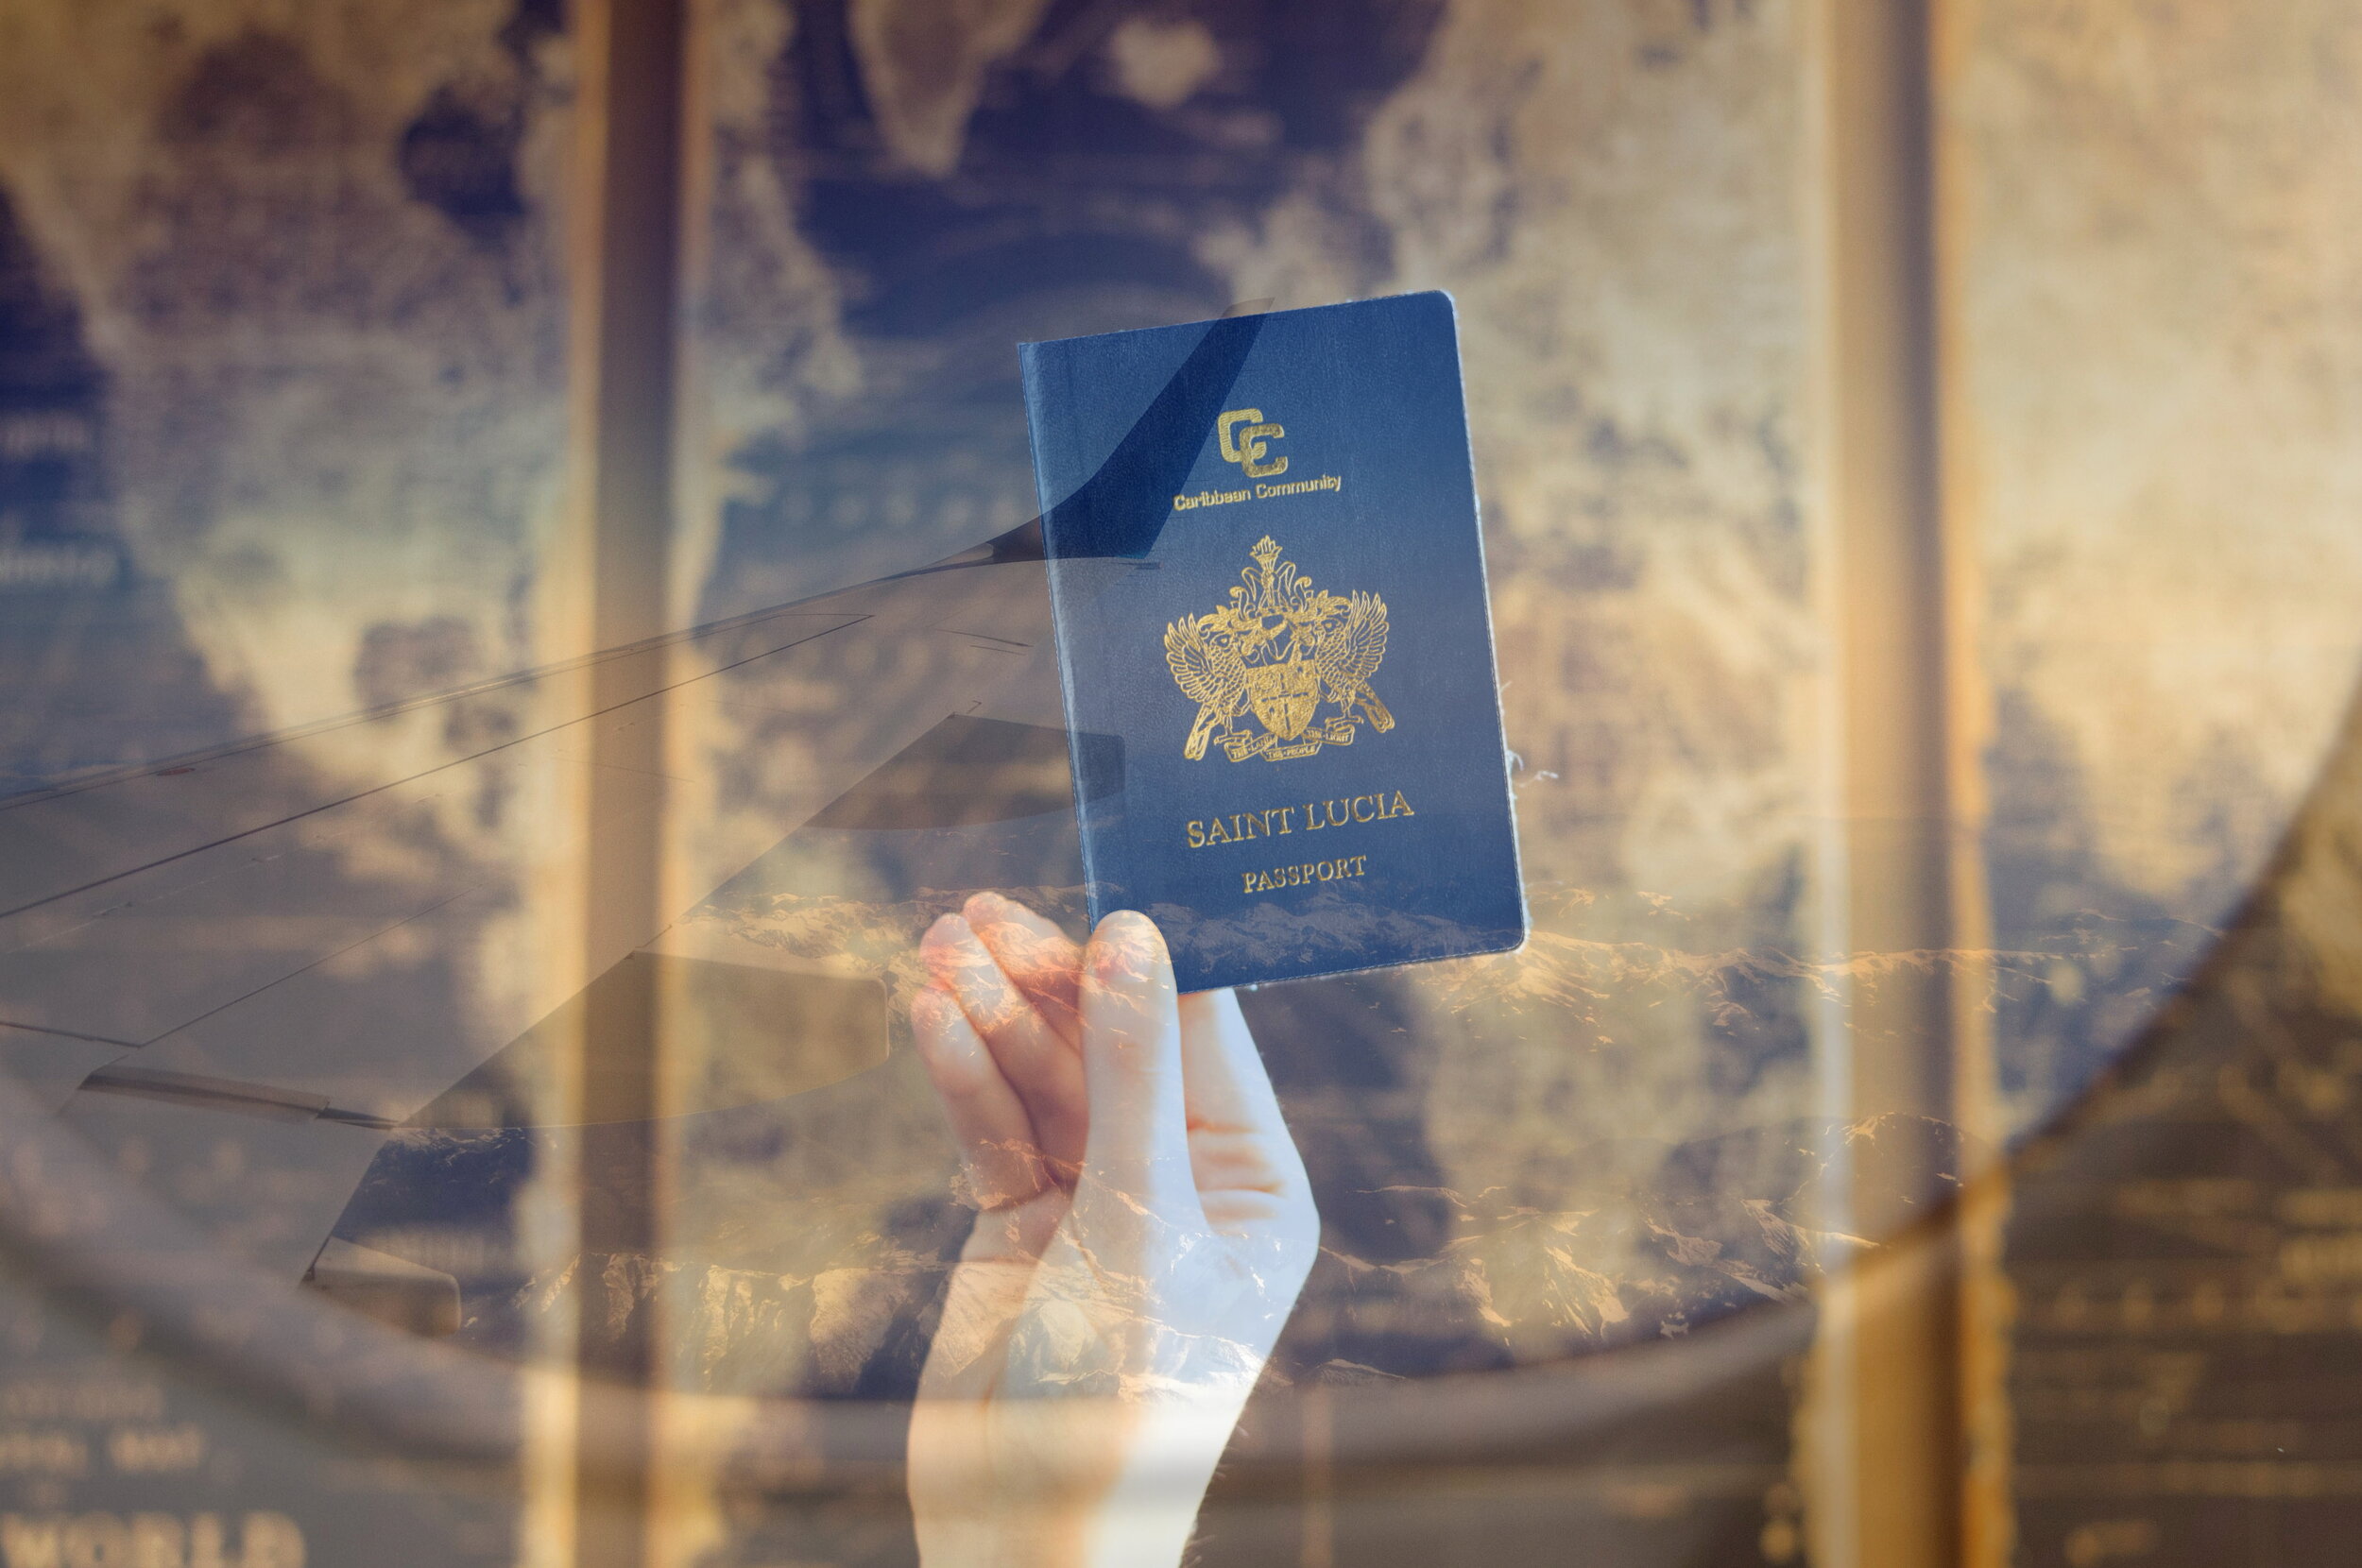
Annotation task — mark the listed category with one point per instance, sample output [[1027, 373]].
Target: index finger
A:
[[1043, 961], [988, 1121]]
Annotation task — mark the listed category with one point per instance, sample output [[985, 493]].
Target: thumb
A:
[[1137, 1151]]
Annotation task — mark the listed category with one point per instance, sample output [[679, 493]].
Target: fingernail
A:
[[1127, 943], [1130, 926], [945, 947], [1001, 908], [949, 1052]]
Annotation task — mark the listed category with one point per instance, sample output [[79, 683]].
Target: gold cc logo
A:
[[1247, 447]]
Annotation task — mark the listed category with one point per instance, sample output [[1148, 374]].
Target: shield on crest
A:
[[1285, 696]]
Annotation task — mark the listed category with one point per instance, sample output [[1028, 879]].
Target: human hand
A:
[[1143, 1227]]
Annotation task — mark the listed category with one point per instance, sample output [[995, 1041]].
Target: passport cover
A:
[[1269, 590]]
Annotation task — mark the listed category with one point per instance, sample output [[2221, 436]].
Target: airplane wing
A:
[[323, 933], [206, 939]]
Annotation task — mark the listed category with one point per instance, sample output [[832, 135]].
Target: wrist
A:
[[1064, 1482]]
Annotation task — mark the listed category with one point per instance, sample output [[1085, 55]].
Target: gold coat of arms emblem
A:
[[1262, 667]]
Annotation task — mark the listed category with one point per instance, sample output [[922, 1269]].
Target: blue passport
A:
[[1278, 655]]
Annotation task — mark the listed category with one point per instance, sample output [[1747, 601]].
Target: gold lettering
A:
[[205, 1542], [1229, 421], [133, 1448], [29, 1544], [95, 1541], [1208, 498], [59, 1453], [158, 1541], [1252, 447], [1272, 821], [268, 1539], [272, 1540], [1304, 874]]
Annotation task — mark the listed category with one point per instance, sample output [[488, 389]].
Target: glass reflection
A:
[[337, 1090]]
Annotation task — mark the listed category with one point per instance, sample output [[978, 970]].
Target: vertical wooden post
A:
[[1880, 1435], [623, 290], [1987, 1302]]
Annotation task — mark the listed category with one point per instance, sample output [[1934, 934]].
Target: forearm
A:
[[1064, 1483]]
